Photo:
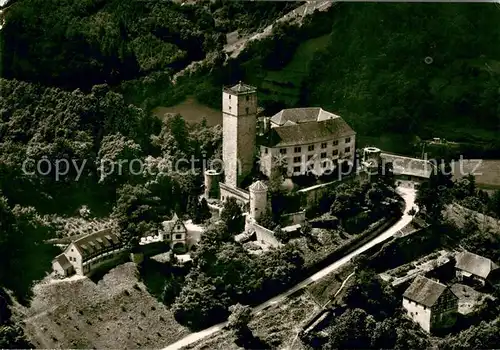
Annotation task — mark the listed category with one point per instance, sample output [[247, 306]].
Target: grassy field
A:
[[459, 214], [323, 290], [461, 129], [115, 313], [394, 143], [192, 112], [277, 326], [321, 244], [487, 172], [284, 85]]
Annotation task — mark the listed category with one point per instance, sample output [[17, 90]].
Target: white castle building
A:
[[306, 140]]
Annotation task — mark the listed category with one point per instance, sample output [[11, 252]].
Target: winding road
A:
[[408, 195]]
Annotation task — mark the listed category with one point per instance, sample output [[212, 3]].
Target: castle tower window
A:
[[296, 169], [283, 150], [335, 152], [347, 149], [310, 148], [336, 142], [178, 236], [296, 159], [347, 140], [323, 145], [265, 150], [323, 155], [297, 149]]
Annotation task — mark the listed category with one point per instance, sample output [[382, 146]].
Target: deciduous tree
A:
[[232, 216]]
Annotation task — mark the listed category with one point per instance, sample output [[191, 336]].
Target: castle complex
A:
[[299, 141], [306, 140]]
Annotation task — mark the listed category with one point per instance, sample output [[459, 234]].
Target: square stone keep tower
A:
[[239, 119]]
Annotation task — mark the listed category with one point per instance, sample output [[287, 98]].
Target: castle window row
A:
[[335, 153], [310, 148], [247, 97]]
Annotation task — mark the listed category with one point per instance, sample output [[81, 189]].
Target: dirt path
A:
[[408, 195], [295, 16], [234, 49]]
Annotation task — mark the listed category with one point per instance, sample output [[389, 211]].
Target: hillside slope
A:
[[435, 71], [427, 70], [77, 44]]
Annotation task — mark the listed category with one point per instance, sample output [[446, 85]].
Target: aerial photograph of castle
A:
[[215, 174]]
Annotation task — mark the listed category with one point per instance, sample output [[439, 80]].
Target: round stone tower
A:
[[258, 199], [371, 154], [371, 161], [212, 184]]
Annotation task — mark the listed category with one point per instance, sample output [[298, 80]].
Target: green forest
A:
[[426, 70], [434, 73]]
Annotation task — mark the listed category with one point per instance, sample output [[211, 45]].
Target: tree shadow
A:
[[103, 269], [32, 264], [247, 340], [162, 279], [252, 343], [153, 274]]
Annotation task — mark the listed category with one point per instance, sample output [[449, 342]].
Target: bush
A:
[[267, 220], [358, 223], [326, 221]]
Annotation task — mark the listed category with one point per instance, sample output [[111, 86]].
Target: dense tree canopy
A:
[[225, 273], [483, 336], [82, 43], [232, 215], [22, 232]]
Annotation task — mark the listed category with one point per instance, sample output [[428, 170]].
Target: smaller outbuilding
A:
[[61, 266], [475, 269]]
